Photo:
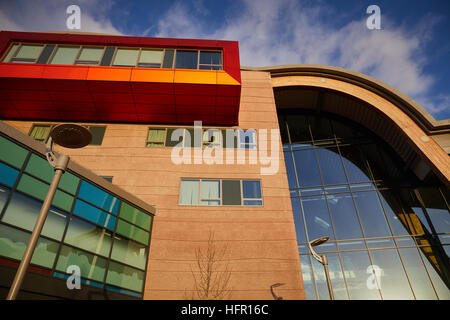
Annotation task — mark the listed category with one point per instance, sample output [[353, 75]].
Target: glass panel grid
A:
[[385, 216], [88, 245]]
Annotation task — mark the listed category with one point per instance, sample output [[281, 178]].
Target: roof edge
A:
[[421, 116]]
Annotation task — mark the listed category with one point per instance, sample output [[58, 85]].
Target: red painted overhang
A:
[[120, 94]]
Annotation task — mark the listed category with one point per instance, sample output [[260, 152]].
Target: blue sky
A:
[[411, 52]]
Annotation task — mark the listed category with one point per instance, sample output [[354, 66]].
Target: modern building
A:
[[198, 164]]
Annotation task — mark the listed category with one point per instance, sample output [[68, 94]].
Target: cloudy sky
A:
[[411, 52]]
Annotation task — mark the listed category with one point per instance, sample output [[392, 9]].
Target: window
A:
[[212, 138], [210, 60], [75, 54], [186, 59], [247, 139], [156, 137], [126, 57], [90, 56], [64, 55], [216, 192], [25, 53], [151, 58], [41, 133], [251, 192]]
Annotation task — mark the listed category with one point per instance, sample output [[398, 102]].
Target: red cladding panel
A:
[[80, 93]]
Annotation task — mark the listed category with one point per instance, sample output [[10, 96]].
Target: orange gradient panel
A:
[[196, 76], [109, 73], [152, 75]]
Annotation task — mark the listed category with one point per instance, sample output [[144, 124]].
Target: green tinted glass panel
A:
[[151, 56], [12, 153], [23, 211], [29, 51], [93, 54], [10, 53], [129, 252], [87, 236], [125, 277], [65, 55], [13, 243], [39, 190], [127, 230], [42, 169], [135, 216], [126, 57], [40, 132], [91, 267]]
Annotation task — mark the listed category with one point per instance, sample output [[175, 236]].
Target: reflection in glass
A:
[[317, 218], [298, 128], [307, 276], [436, 209], [371, 214], [91, 267], [418, 276], [23, 211], [439, 279], [307, 169], [129, 252], [345, 220], [336, 277], [392, 281], [13, 243], [380, 243], [298, 220], [397, 219], [355, 270], [126, 277], [88, 236], [331, 166], [4, 193], [98, 197], [290, 169], [354, 164]]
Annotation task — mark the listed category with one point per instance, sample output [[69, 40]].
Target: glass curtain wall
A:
[[389, 234], [105, 236]]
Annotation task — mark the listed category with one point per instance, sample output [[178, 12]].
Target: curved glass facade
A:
[[389, 233]]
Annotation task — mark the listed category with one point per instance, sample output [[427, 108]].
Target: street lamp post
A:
[[69, 136], [323, 260]]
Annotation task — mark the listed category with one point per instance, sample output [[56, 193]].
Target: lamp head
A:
[[70, 135], [319, 241]]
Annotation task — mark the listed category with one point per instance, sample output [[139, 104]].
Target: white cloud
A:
[[288, 32]]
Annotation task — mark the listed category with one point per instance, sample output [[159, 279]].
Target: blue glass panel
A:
[[8, 175], [95, 215], [252, 189], [317, 217], [252, 202], [371, 214], [186, 59], [343, 213], [307, 169], [290, 169], [83, 281], [98, 197], [307, 275], [331, 166], [298, 220], [128, 292]]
